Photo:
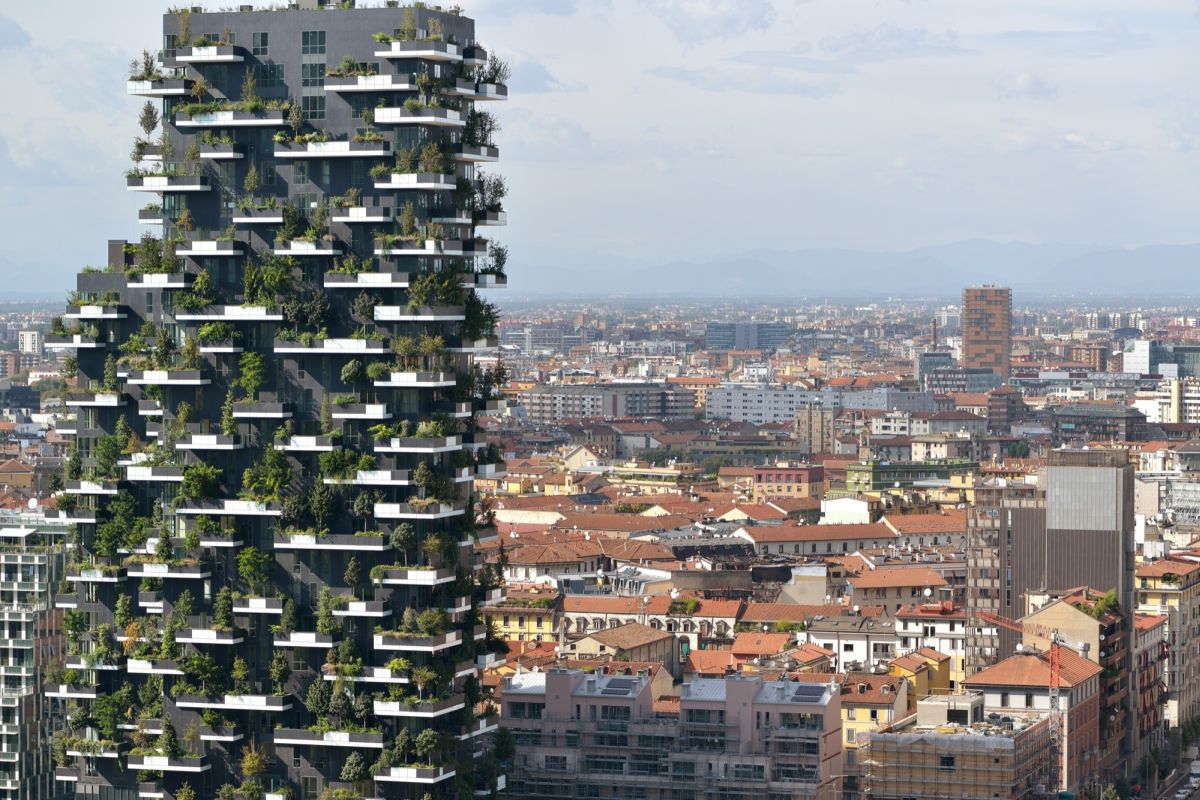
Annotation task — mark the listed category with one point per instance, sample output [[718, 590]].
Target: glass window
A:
[[312, 42], [313, 107], [258, 42], [170, 44], [312, 74], [300, 171], [269, 76]]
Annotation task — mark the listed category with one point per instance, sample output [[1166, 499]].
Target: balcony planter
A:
[[421, 314], [299, 737], [141, 474], [366, 280], [232, 119], [164, 377], [435, 708], [362, 214], [415, 577], [167, 764], [489, 660], [333, 541], [94, 312], [424, 50], [257, 410], [370, 83], [375, 477], [417, 180], [363, 609], [259, 216], [231, 314], [333, 346], [222, 152], [480, 91], [209, 636], [304, 248], [305, 639], [258, 605], [422, 775], [307, 444], [138, 666], [244, 702], [72, 691], [455, 410], [346, 149], [370, 675], [75, 342], [162, 280], [440, 444], [96, 575], [474, 56], [491, 218], [221, 735], [91, 487], [212, 54], [208, 441], [475, 345], [151, 601], [155, 570], [213, 248], [230, 508], [162, 87], [417, 380], [220, 346], [409, 511], [167, 184], [476, 153], [371, 411], [151, 216], [418, 644]]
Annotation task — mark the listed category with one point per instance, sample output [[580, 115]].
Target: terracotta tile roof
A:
[[635, 550], [619, 523], [809, 653], [1166, 566], [1145, 622], [1033, 670], [599, 604], [889, 577], [564, 553], [933, 655], [748, 644], [755, 511], [796, 612], [728, 609], [629, 635], [12, 465], [667, 704], [949, 521], [790, 505], [818, 533], [931, 611], [710, 662], [911, 662]]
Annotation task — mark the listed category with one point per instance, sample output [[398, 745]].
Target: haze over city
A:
[[734, 141]]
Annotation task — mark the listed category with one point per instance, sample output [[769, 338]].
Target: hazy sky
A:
[[665, 129]]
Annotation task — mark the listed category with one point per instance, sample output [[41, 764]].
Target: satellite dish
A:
[[33, 503], [927, 591], [674, 594]]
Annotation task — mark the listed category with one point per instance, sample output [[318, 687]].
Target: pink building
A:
[[596, 735]]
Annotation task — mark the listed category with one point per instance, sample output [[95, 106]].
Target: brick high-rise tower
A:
[[987, 329]]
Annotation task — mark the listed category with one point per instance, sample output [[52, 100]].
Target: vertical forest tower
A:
[[271, 486]]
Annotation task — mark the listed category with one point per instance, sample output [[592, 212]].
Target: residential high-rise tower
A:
[[275, 445], [987, 329]]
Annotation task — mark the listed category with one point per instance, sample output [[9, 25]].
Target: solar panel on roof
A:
[[808, 692], [614, 691]]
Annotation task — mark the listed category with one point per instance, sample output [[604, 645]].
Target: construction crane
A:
[[1056, 641]]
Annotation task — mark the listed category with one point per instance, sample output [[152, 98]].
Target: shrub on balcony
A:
[[200, 482], [267, 480]]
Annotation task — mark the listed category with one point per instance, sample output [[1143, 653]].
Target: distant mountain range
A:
[[941, 270]]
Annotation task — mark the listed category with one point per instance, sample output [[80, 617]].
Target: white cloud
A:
[[694, 20], [1025, 85]]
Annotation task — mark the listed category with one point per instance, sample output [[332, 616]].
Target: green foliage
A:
[[148, 118], [317, 698], [201, 481], [254, 566], [267, 480], [223, 610], [228, 421], [252, 375], [481, 318], [280, 671], [354, 768]]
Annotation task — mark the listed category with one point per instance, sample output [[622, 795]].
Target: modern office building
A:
[[556, 402], [580, 735], [274, 451], [1079, 423], [958, 380], [32, 645], [761, 403], [1169, 359], [1073, 528], [987, 329], [746, 335]]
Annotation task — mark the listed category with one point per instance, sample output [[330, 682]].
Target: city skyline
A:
[[915, 125]]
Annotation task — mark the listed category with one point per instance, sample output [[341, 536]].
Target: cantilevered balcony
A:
[[476, 154], [361, 214], [371, 411], [457, 248], [333, 346], [236, 702], [156, 666], [170, 570], [159, 87], [168, 764], [228, 508], [222, 152], [232, 119], [417, 380], [71, 691], [97, 400], [419, 445], [451, 216], [303, 248], [418, 181], [210, 54], [427, 709], [477, 346], [96, 312], [414, 775], [156, 474], [212, 248], [471, 90], [371, 83], [167, 184], [374, 477], [272, 606], [220, 346], [426, 115], [371, 675], [161, 280], [310, 640], [96, 574], [151, 216], [209, 442], [420, 314], [345, 149], [261, 410], [167, 377], [91, 487], [485, 280], [306, 444], [218, 636], [491, 218], [231, 314], [415, 576], [300, 737], [421, 50], [417, 511], [366, 280], [258, 216], [417, 643], [309, 540], [474, 56], [75, 342], [363, 609]]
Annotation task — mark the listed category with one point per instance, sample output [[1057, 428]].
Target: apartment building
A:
[[557, 402], [583, 735], [941, 627], [1170, 588], [299, 348], [987, 329], [787, 480]]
